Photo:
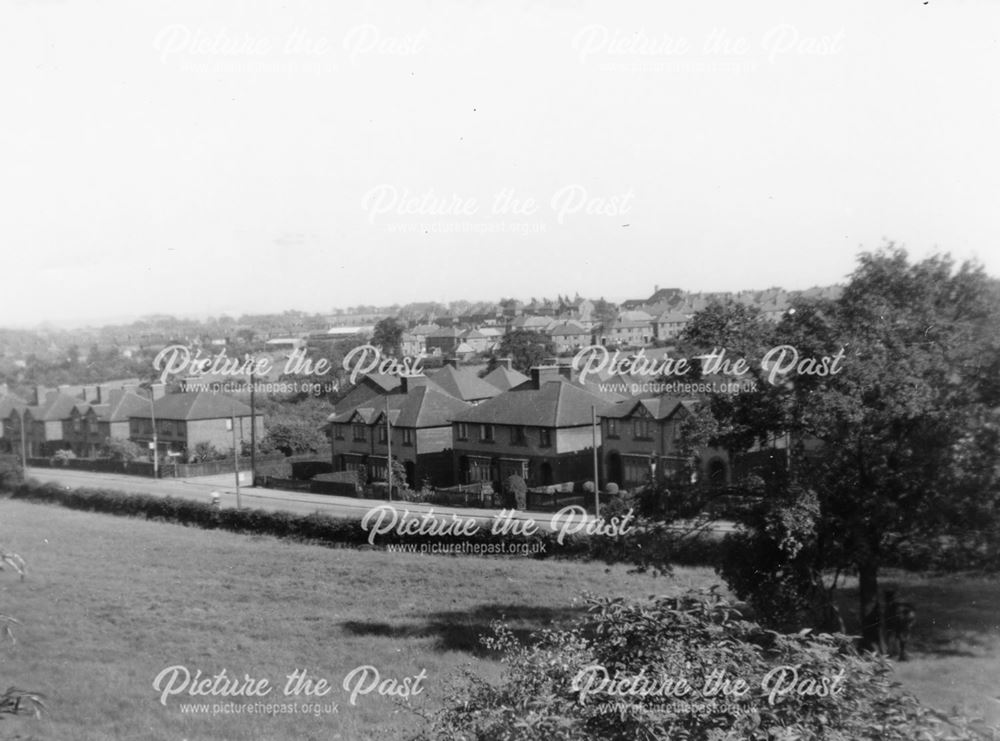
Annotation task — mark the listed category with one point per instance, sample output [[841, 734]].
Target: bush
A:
[[11, 473], [518, 490], [62, 457], [122, 449], [615, 675]]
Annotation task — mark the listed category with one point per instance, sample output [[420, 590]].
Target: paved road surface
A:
[[201, 488]]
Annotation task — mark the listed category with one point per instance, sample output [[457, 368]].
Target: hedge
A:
[[635, 547]]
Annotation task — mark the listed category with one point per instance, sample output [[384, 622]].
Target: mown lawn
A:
[[110, 602]]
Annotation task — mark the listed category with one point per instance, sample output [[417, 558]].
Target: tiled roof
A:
[[658, 408], [568, 330], [423, 406], [9, 403], [55, 406], [200, 405], [462, 384], [505, 378], [558, 403], [449, 332], [120, 406]]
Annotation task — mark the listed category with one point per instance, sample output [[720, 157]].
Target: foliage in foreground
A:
[[543, 695]]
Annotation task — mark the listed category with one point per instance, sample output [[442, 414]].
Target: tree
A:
[[901, 442], [293, 437], [525, 349], [604, 312], [388, 335], [121, 449]]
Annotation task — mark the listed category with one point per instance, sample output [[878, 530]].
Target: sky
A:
[[205, 158]]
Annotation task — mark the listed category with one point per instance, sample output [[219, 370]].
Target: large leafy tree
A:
[[388, 335], [903, 443], [525, 348]]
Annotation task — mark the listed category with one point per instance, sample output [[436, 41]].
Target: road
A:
[[303, 503], [201, 488]]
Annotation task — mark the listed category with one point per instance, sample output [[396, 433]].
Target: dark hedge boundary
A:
[[330, 531]]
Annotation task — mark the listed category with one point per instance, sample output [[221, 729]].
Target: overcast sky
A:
[[229, 157]]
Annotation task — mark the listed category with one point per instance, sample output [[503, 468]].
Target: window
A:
[[517, 436], [463, 431], [407, 436], [480, 470], [486, 433], [382, 434], [360, 433], [76, 424], [338, 431], [640, 429], [612, 428], [545, 437], [637, 470]]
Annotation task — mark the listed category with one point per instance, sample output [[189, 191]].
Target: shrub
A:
[[11, 473], [614, 677], [122, 449], [62, 457], [518, 490]]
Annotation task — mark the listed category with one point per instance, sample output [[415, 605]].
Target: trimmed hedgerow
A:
[[649, 546]]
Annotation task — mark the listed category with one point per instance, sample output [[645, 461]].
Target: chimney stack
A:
[[542, 374], [407, 383]]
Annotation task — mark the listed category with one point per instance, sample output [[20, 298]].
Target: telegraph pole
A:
[[253, 431], [388, 447], [236, 459], [597, 487], [24, 449], [156, 447]]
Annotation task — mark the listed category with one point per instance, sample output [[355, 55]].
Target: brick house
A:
[[443, 341], [669, 325], [630, 329], [541, 430], [113, 414], [10, 433], [419, 414], [47, 425], [187, 419], [640, 432], [569, 337]]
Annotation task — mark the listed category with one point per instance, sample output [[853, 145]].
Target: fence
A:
[[145, 468], [336, 488]]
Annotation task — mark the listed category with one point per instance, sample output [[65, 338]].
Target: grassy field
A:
[[954, 655], [110, 602]]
